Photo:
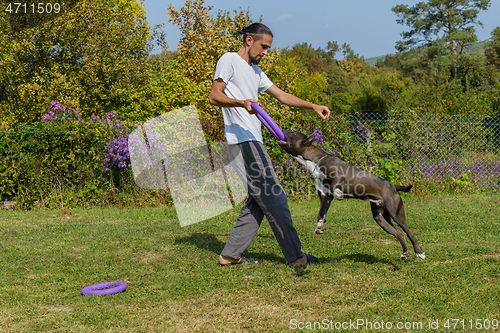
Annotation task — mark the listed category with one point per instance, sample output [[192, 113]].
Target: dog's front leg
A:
[[325, 196]]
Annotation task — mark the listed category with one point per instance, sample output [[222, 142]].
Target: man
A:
[[237, 82]]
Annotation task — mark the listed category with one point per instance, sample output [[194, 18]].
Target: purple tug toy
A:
[[268, 122], [103, 289]]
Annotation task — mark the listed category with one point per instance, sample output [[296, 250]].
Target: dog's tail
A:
[[400, 188]]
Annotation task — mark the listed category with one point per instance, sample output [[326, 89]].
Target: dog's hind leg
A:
[[396, 208], [325, 197], [387, 217], [379, 215]]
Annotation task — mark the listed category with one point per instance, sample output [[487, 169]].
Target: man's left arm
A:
[[296, 102]]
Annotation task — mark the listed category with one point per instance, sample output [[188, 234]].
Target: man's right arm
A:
[[218, 98]]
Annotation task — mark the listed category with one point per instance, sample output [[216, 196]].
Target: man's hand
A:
[[247, 105], [322, 111]]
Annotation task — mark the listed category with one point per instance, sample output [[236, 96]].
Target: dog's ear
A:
[[308, 141]]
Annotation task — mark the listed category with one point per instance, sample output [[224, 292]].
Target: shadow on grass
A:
[[209, 242], [360, 257]]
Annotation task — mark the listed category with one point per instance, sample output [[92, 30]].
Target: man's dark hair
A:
[[254, 30]]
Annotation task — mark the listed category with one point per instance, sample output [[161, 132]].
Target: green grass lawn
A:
[[174, 282]]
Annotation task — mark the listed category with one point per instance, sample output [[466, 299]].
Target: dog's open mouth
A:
[[282, 143]]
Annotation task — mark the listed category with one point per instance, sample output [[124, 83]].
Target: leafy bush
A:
[[63, 160]]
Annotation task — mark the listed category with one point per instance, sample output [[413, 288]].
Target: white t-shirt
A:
[[242, 82]]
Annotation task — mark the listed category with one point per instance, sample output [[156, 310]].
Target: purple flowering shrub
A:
[[460, 174], [117, 154], [59, 111], [64, 160]]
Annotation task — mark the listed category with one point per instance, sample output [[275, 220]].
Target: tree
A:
[[440, 26], [92, 56], [314, 59], [195, 24], [204, 39], [28, 14], [493, 51]]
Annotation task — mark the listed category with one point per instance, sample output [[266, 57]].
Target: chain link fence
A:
[[462, 152]]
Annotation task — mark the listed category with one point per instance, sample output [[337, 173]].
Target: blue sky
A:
[[368, 26]]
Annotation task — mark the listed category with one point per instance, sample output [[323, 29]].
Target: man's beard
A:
[[255, 60]]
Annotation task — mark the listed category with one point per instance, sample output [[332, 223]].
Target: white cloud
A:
[[285, 17]]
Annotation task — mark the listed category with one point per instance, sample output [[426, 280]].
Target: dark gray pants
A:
[[266, 198]]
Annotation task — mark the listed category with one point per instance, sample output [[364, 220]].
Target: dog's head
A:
[[296, 143]]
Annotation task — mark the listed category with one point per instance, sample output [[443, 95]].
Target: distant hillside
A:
[[476, 48], [373, 60]]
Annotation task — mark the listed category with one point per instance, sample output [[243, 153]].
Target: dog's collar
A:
[[317, 163], [316, 173], [311, 166]]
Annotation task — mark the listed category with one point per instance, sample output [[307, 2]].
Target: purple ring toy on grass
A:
[[268, 122], [103, 289]]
